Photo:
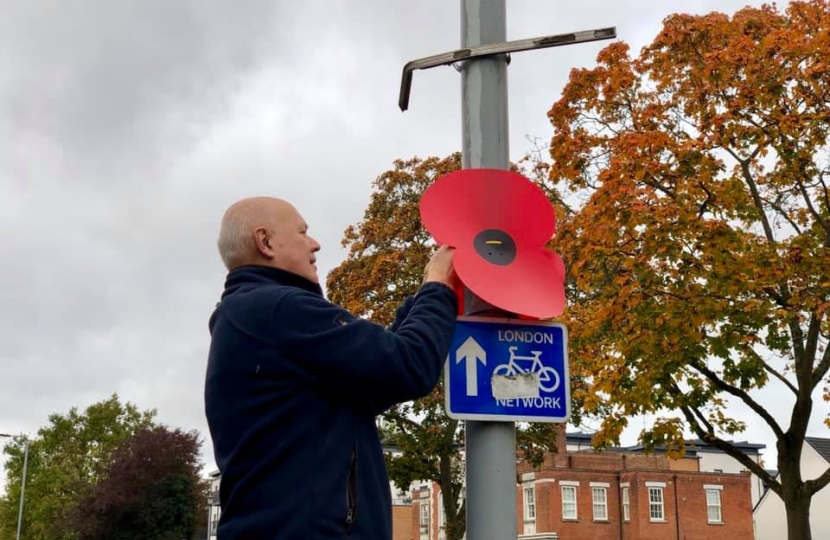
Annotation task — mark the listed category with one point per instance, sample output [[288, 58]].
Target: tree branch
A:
[[803, 365], [820, 180], [753, 189], [401, 421], [821, 369], [729, 449], [769, 369], [775, 295], [816, 215], [740, 394], [777, 207], [817, 484]]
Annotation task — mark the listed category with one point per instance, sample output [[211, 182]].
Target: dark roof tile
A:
[[822, 446]]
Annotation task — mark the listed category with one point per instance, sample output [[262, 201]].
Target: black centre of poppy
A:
[[495, 246]]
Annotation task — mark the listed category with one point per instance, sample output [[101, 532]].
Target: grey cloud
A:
[[128, 127]]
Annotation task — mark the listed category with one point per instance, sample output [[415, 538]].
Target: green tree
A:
[[388, 251], [698, 238], [66, 457], [152, 490]]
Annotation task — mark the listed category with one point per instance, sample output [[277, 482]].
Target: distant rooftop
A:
[[743, 445], [822, 446], [697, 446]]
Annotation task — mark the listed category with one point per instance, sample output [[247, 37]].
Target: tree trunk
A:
[[454, 529], [798, 518]]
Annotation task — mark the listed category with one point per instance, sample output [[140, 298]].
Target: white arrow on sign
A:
[[472, 351]]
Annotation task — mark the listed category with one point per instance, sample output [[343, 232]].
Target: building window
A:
[[655, 504], [600, 497], [568, 502], [713, 506], [442, 514], [626, 504], [213, 525], [424, 514], [530, 503]]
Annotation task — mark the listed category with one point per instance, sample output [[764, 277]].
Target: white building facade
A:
[[770, 516], [214, 510]]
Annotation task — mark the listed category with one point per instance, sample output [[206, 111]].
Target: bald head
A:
[[269, 232]]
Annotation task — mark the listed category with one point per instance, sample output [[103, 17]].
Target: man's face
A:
[[294, 248]]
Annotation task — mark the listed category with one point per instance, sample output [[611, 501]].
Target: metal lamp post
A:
[[22, 481], [490, 445]]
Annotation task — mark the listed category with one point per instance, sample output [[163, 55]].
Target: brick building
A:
[[613, 495], [616, 496]]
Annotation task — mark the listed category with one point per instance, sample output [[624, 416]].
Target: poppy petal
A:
[[533, 285], [461, 204]]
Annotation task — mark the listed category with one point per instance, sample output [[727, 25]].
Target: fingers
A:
[[440, 267]]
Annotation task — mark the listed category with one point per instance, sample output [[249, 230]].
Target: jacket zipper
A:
[[351, 490]]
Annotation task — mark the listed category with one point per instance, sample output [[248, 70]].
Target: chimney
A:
[[560, 458]]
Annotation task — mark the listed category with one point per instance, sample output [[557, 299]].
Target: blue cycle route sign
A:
[[508, 370]]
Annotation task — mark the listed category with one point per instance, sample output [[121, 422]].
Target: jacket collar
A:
[[264, 275]]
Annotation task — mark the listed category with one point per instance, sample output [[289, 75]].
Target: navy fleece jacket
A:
[[292, 388]]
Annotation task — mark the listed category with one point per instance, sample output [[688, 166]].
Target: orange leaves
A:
[[389, 249], [704, 229]]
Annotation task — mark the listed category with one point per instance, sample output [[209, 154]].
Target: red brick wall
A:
[[690, 505], [641, 527], [584, 526], [736, 506], [415, 531], [685, 516]]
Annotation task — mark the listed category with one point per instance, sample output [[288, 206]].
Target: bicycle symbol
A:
[[548, 377]]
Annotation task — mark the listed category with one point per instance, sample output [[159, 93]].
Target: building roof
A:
[[822, 446], [747, 447], [698, 446]]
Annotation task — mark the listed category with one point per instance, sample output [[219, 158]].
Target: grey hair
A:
[[235, 241]]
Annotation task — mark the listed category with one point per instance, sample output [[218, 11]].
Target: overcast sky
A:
[[127, 127]]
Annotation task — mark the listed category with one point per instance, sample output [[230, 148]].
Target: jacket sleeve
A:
[[358, 356], [401, 313]]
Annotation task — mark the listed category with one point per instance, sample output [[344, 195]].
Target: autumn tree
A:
[[698, 232], [388, 251], [67, 456], [152, 490]]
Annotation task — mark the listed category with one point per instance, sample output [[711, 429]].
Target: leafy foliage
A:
[[152, 491], [67, 457], [698, 230]]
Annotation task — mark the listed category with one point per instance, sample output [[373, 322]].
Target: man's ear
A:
[[262, 239]]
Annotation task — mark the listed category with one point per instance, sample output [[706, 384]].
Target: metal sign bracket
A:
[[492, 49]]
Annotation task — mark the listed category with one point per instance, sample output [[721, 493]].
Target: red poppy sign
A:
[[498, 222]]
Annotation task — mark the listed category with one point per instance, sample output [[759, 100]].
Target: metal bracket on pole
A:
[[492, 49]]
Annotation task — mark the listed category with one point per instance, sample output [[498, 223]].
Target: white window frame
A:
[[570, 487], [625, 496], [660, 506], [597, 488], [529, 502], [442, 515], [718, 505], [424, 521]]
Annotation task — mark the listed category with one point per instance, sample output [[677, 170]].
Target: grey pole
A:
[[22, 481], [23, 488], [482, 60], [490, 446]]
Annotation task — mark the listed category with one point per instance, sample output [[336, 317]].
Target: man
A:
[[294, 383]]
